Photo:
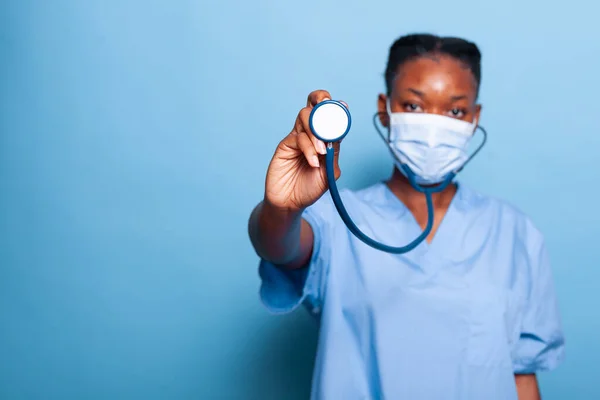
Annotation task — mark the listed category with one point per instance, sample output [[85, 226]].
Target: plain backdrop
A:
[[135, 136]]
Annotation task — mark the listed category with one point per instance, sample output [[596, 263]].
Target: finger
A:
[[345, 104], [304, 125], [316, 97], [290, 141], [308, 149]]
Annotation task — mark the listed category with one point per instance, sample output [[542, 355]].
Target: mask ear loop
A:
[[377, 114]]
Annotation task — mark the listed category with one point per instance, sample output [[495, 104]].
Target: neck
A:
[[415, 200]]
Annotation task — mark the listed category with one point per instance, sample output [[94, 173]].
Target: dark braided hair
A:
[[410, 47]]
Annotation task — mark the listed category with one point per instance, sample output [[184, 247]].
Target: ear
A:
[[382, 110], [477, 113]]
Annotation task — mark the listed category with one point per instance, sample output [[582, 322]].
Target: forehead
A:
[[436, 73]]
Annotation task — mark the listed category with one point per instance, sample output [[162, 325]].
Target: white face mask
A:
[[431, 145]]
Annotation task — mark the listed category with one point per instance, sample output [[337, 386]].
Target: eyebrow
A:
[[417, 92], [456, 98], [453, 98]]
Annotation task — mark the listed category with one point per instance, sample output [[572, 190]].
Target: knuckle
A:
[[317, 95], [305, 112], [303, 115]]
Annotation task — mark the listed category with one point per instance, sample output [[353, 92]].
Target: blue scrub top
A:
[[454, 319]]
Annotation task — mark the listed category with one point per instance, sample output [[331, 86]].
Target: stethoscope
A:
[[330, 122]]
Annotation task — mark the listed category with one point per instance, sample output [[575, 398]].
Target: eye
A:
[[412, 107], [457, 113]]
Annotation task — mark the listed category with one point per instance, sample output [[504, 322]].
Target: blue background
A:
[[135, 136]]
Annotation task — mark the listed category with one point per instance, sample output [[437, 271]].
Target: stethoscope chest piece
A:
[[330, 121]]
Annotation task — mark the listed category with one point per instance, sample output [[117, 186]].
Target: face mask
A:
[[432, 146]]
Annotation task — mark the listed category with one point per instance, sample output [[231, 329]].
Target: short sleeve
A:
[[282, 291], [541, 346]]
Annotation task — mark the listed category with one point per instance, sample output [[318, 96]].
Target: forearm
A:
[[527, 387], [280, 236]]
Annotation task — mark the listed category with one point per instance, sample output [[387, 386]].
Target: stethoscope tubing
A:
[[341, 209]]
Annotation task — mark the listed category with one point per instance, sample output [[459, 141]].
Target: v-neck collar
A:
[[444, 236]]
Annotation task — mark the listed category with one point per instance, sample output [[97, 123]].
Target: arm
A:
[[527, 387], [287, 229], [294, 255], [541, 346], [295, 180], [280, 236]]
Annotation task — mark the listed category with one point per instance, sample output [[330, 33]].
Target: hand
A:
[[296, 177]]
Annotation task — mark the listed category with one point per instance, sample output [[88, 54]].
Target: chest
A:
[[464, 305]]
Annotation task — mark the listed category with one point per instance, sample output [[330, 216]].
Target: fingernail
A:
[[326, 98], [315, 161], [344, 103], [321, 147]]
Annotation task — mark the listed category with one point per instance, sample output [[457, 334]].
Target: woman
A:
[[471, 313]]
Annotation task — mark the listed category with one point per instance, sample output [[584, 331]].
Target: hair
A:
[[410, 47]]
